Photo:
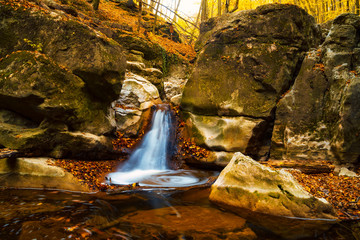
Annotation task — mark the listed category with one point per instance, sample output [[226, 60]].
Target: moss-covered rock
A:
[[99, 61], [270, 198], [39, 101], [247, 61]]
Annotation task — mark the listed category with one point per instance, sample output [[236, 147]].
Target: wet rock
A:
[[270, 198], [188, 222], [319, 117], [247, 61], [37, 173]]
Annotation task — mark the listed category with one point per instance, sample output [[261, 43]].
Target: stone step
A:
[[140, 68]]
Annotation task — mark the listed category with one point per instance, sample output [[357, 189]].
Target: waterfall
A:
[[148, 164], [153, 151]]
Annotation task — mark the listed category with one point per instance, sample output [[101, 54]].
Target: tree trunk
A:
[[140, 15], [219, 7], [204, 10], [236, 6], [212, 10], [176, 10], [227, 4], [156, 15], [196, 23], [95, 4], [152, 5]]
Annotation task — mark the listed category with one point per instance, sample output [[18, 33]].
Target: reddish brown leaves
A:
[[91, 173], [342, 192]]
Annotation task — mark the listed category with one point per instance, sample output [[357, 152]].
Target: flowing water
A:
[[162, 211], [148, 164]]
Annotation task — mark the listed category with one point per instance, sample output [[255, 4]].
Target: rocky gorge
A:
[[268, 83]]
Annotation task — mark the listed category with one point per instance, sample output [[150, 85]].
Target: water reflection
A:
[[35, 214]]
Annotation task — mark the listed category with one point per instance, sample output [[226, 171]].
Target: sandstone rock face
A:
[[269, 197], [57, 78], [248, 59], [319, 118], [38, 173], [132, 108]]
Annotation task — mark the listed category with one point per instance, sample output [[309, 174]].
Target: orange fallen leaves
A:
[[319, 67], [90, 173], [341, 191]]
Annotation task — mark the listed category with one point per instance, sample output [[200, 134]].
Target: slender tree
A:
[[219, 7], [95, 4], [140, 14], [227, 5], [176, 11], [156, 15], [204, 10]]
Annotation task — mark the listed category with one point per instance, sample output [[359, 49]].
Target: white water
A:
[[152, 153], [148, 164]]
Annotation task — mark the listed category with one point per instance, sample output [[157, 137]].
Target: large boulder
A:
[[320, 118], [58, 78], [99, 62], [45, 109], [271, 198], [248, 59]]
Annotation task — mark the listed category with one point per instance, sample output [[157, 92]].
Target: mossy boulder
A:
[[319, 117], [97, 60], [40, 102], [247, 61], [270, 198]]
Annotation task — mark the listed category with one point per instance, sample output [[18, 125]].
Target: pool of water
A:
[[161, 178], [40, 214]]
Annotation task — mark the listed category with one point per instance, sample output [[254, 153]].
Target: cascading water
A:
[[152, 153], [148, 164]]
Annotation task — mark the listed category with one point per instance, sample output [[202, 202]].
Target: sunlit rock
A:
[[271, 198], [222, 133], [37, 173], [319, 117], [136, 98]]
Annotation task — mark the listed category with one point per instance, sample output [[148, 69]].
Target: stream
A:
[[170, 204]]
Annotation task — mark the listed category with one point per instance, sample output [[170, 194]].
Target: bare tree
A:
[[236, 6]]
